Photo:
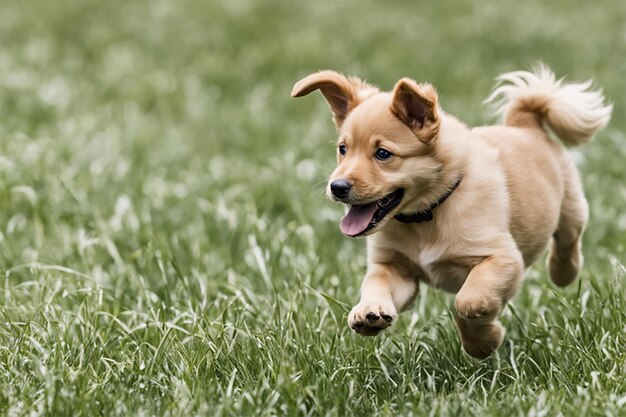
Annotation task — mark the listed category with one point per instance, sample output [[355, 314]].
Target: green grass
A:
[[165, 248]]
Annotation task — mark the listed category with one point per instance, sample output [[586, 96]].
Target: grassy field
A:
[[166, 247]]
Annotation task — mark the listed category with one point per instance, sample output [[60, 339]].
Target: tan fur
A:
[[519, 192]]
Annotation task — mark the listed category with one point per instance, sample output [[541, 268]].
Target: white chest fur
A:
[[443, 254], [437, 261]]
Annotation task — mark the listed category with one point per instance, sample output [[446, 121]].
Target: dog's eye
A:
[[342, 149], [382, 154]]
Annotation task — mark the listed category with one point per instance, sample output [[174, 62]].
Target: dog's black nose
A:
[[340, 188]]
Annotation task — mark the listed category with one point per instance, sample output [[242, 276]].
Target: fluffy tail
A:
[[572, 111]]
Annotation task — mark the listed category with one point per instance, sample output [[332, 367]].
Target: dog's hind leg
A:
[[480, 300], [565, 259]]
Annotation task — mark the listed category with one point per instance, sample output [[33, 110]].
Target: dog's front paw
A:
[[369, 317]]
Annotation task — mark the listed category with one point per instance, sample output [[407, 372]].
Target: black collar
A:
[[427, 215]]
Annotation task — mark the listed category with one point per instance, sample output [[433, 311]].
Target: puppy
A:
[[463, 209]]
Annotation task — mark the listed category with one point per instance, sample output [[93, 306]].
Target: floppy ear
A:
[[342, 94], [416, 105]]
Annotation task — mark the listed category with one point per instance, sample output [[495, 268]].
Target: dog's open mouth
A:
[[361, 218]]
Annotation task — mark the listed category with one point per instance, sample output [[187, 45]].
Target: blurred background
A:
[[154, 170], [149, 108]]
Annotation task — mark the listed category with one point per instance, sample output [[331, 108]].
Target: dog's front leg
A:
[[490, 284], [386, 290]]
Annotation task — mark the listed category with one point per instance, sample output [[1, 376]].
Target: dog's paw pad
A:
[[368, 318], [371, 316], [357, 325]]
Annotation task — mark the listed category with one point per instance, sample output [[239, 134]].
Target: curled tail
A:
[[572, 111]]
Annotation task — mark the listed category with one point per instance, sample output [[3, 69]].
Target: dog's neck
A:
[[427, 215]]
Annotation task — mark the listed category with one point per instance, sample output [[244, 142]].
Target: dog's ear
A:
[[342, 94], [417, 106]]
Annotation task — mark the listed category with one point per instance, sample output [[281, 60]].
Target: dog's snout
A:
[[340, 188]]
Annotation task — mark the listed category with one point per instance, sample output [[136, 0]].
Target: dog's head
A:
[[385, 150]]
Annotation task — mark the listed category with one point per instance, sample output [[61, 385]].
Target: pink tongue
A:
[[357, 219]]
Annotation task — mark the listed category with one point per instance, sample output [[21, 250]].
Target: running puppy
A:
[[465, 210]]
